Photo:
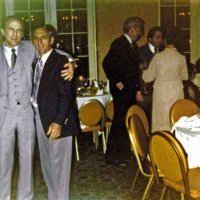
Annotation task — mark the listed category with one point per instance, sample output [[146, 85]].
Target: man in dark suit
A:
[[121, 65], [155, 44], [56, 115]]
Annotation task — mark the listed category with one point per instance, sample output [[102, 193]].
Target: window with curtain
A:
[[177, 13]]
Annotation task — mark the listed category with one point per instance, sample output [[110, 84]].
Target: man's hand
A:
[[68, 72], [139, 96], [120, 85], [54, 131], [143, 66]]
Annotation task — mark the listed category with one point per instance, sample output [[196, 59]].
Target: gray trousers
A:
[[55, 157], [20, 122]]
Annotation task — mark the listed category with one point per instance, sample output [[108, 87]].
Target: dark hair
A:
[[197, 66], [189, 84], [12, 18], [153, 30], [51, 31], [133, 22], [172, 35]]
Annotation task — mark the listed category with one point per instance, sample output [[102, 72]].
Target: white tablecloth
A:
[[187, 131], [102, 98]]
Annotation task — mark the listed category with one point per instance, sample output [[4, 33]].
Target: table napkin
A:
[[188, 124]]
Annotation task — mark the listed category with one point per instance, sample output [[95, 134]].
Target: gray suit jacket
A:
[[26, 55]]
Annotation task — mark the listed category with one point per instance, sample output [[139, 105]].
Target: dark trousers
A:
[[118, 147], [146, 105]]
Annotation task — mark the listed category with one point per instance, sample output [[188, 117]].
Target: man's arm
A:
[[68, 72]]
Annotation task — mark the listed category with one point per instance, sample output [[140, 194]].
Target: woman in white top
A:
[[167, 69]]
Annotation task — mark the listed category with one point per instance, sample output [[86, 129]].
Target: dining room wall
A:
[[110, 16], [2, 13]]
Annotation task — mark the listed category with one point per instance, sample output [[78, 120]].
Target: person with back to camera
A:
[[167, 69], [154, 45], [121, 65]]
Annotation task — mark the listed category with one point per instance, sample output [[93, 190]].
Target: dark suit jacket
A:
[[146, 54], [56, 97], [122, 64]]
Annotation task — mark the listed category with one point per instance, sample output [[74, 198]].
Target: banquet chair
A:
[[109, 112], [182, 107], [170, 166], [139, 143], [137, 110], [91, 116]]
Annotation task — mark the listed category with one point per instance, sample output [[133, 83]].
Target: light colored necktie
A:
[[38, 73], [13, 58]]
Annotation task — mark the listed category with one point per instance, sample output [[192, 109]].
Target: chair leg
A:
[[163, 193], [96, 136], [107, 133], [76, 147], [182, 196], [168, 194], [148, 187], [135, 178], [104, 142]]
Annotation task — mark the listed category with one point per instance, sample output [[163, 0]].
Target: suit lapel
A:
[[23, 60], [4, 70], [133, 51], [48, 70]]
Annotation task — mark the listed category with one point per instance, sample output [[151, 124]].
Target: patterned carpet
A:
[[92, 179]]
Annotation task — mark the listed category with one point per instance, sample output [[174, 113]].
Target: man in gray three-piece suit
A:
[[16, 113]]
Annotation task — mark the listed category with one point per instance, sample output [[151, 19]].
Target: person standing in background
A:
[[167, 69], [155, 44], [121, 65]]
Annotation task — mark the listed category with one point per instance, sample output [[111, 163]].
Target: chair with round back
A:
[[170, 166], [182, 107], [139, 143], [135, 109], [91, 116]]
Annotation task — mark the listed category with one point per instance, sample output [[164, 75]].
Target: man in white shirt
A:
[[16, 116]]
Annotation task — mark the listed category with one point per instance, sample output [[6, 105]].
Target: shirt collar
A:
[[151, 47], [8, 49], [128, 38], [45, 56]]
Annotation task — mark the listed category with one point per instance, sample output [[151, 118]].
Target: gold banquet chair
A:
[[91, 116], [170, 166], [139, 143], [137, 110], [182, 107], [109, 112]]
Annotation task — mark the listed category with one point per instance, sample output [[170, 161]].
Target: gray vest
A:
[[19, 89]]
